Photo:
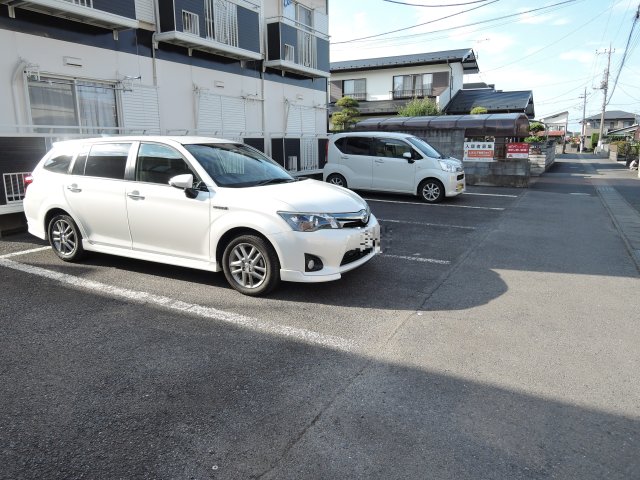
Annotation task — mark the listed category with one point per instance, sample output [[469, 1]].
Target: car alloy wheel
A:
[[65, 238], [251, 265], [431, 191], [336, 179]]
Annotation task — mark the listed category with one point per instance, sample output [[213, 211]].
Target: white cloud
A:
[[581, 56]]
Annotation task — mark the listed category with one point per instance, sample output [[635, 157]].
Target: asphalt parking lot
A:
[[418, 365]]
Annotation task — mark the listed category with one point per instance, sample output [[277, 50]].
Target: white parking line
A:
[[425, 224], [491, 195], [328, 341], [433, 204], [418, 259], [24, 252]]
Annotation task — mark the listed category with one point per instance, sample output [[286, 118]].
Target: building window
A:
[[412, 86], [221, 20], [190, 23], [88, 106], [356, 89], [304, 16], [82, 3]]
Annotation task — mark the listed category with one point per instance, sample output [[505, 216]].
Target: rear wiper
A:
[[272, 181]]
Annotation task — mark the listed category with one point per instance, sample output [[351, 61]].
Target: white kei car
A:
[[197, 202], [394, 163]]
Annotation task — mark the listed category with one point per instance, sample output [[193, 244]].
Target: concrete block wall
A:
[[514, 172], [541, 157]]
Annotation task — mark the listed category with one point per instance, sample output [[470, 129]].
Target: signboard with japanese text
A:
[[518, 150], [478, 151]]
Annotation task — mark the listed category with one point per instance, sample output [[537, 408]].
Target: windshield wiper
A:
[[273, 181]]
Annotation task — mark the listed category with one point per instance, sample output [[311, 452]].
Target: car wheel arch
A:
[[52, 213], [235, 232]]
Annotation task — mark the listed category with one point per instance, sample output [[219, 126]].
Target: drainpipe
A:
[[450, 81], [18, 77]]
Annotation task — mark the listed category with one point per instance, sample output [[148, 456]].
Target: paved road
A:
[[495, 338]]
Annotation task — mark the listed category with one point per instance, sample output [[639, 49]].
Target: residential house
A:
[[613, 120], [251, 70], [383, 85], [495, 101]]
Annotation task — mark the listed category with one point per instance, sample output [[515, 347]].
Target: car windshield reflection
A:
[[237, 166]]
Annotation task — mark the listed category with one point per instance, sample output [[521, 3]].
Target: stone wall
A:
[[541, 157], [514, 172]]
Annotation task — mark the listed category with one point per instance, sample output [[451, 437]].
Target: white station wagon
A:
[[394, 163], [197, 202]]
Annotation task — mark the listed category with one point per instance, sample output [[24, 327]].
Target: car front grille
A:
[[353, 219], [356, 254]]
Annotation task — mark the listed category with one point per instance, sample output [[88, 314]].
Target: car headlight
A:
[[448, 166], [309, 222]]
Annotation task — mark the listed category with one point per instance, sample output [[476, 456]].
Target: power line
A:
[[546, 7], [421, 24], [626, 50], [435, 6]]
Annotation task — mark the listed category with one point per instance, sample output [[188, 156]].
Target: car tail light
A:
[[28, 180]]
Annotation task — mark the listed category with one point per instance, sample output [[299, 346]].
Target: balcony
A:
[[226, 28], [360, 96], [79, 11], [408, 94], [296, 48]]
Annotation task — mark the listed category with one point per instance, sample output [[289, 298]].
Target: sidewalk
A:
[[619, 189]]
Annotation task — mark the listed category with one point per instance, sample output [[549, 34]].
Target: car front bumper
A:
[[340, 250], [455, 184]]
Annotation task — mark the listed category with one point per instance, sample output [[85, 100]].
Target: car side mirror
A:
[[184, 182], [409, 157]]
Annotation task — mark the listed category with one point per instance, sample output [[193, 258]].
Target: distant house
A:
[[613, 120], [495, 101], [383, 85]]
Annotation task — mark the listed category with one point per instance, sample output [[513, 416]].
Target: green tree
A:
[[419, 107], [535, 128], [478, 110], [594, 140], [347, 115]]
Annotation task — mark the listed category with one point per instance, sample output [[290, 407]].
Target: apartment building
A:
[[250, 70]]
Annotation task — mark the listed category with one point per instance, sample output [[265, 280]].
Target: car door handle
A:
[[135, 196], [74, 188], [344, 157], [379, 161]]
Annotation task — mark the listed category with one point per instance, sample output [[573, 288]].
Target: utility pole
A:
[[604, 86], [584, 113]]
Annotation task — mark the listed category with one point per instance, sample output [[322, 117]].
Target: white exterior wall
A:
[[380, 82], [176, 84]]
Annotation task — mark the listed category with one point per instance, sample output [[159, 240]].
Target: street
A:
[[495, 337]]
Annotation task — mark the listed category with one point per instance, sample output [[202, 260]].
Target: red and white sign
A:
[[517, 150], [478, 151]]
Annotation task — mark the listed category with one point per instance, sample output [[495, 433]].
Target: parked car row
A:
[[219, 205]]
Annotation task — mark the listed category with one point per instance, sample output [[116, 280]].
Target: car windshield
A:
[[236, 165], [425, 148]]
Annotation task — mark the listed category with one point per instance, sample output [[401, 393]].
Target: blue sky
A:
[[556, 52]]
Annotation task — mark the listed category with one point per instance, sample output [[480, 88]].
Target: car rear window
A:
[[354, 145], [107, 160], [58, 163]]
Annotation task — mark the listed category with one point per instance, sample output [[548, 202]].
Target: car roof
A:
[[181, 139], [373, 134]]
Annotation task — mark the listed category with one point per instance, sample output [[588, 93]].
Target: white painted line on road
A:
[[25, 252], [580, 194], [329, 341], [418, 259], [432, 204], [425, 224], [491, 195]]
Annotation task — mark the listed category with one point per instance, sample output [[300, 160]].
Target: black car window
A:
[[391, 147], [354, 145], [107, 160], [58, 163], [159, 163]]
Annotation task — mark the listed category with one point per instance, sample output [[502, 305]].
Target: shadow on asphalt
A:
[[89, 392]]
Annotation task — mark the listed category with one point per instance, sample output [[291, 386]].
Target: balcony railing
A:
[[76, 10], [417, 93], [302, 57], [356, 96]]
